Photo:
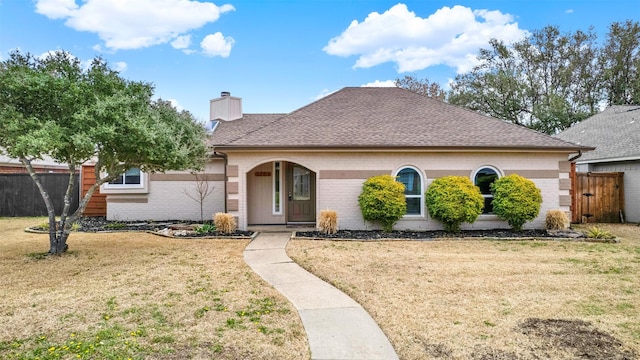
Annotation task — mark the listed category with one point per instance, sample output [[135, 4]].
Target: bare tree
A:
[[421, 86], [202, 191]]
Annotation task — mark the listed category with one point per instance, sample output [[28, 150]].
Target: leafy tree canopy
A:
[[621, 62], [54, 106], [552, 80]]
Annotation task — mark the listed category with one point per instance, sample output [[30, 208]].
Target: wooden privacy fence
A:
[[598, 197], [19, 195]]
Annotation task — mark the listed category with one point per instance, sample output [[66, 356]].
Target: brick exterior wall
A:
[[340, 192], [166, 198]]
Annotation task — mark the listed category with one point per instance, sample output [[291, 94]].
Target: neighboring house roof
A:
[[614, 132], [46, 162], [391, 117]]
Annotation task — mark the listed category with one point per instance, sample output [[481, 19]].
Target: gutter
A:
[[570, 160], [223, 156]]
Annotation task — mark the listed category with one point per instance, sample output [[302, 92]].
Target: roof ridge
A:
[[257, 128], [284, 115]]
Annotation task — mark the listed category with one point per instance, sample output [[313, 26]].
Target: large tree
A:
[[621, 62], [547, 81], [494, 86], [53, 106]]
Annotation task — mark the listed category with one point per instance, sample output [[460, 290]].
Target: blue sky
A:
[[281, 55]]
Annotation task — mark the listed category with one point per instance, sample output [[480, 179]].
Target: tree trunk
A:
[[56, 247]]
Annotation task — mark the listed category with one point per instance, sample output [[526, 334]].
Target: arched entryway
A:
[[281, 192]]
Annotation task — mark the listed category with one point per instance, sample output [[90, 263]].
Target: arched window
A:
[[412, 181], [483, 178]]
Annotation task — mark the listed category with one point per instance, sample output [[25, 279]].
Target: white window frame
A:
[[277, 193], [140, 188], [421, 192], [473, 180]]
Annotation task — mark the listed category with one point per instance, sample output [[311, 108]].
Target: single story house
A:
[[285, 168], [615, 134]]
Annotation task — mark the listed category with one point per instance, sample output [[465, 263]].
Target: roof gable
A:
[[614, 132], [365, 117]]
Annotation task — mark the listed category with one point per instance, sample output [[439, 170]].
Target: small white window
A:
[[483, 178], [412, 181], [131, 179]]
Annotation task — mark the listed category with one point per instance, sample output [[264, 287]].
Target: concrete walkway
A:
[[337, 327]]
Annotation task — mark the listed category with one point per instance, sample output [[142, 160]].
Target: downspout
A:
[[576, 157], [572, 176], [223, 156]]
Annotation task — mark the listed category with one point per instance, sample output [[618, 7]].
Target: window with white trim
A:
[[483, 178], [412, 180], [132, 178]]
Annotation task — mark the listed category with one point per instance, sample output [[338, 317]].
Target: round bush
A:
[[516, 199], [556, 220], [453, 200], [382, 201]]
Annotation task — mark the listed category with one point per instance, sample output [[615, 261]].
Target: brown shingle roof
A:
[[365, 117]]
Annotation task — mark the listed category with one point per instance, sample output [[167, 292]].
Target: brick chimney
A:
[[225, 108]]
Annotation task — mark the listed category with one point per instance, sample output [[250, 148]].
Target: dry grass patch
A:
[[481, 299], [121, 295]]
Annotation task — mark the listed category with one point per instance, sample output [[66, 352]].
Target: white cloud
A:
[[181, 42], [175, 104], [378, 83], [450, 36], [217, 45], [133, 24], [56, 9], [569, 11], [119, 66]]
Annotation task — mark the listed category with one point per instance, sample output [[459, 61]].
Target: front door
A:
[[301, 191]]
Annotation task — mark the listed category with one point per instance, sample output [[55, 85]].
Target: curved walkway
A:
[[337, 327]]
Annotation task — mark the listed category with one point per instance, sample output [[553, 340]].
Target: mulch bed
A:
[[177, 228], [429, 235], [184, 229]]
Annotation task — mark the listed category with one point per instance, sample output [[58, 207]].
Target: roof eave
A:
[[399, 148], [611, 159]]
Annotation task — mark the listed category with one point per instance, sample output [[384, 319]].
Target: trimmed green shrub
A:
[[516, 199], [453, 200], [382, 201]]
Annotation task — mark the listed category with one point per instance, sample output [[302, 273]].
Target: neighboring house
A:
[[285, 168], [14, 166], [615, 133]]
